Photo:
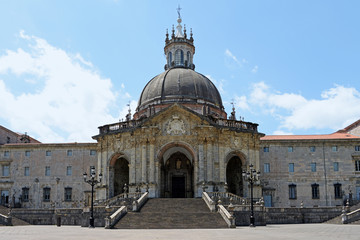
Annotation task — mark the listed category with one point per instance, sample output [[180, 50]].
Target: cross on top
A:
[[178, 11]]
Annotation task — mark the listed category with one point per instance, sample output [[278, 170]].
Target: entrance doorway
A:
[[177, 177], [178, 187], [121, 175], [234, 176]]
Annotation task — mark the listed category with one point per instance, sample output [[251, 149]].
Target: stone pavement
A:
[[278, 232]]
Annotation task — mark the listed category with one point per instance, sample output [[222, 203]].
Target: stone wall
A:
[[75, 216], [287, 216]]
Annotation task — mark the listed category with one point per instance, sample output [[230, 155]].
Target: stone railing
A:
[[350, 217], [226, 196], [229, 218], [115, 217], [239, 125], [137, 204], [114, 127], [5, 220], [209, 202], [121, 197]]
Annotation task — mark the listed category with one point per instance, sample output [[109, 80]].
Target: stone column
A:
[[152, 161], [201, 162], [132, 167], [222, 164], [143, 162], [209, 158]]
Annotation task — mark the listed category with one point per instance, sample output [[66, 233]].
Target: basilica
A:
[[178, 143]]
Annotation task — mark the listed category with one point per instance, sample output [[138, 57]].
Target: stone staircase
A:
[[338, 219], [172, 213], [15, 221]]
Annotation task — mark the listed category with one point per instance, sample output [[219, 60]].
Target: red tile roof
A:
[[336, 135]]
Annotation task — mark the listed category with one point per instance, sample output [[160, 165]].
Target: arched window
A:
[[169, 59], [179, 58], [188, 58]]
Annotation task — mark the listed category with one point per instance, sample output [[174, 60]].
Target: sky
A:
[[68, 67]]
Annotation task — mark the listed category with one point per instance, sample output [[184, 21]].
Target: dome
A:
[[180, 85]]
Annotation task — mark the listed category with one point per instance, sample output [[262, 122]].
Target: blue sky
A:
[[67, 67]]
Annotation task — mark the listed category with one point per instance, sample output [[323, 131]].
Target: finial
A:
[[185, 35], [178, 11], [191, 35], [173, 32], [167, 36]]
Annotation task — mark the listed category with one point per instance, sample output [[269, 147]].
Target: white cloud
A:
[[255, 69], [233, 57], [336, 108], [72, 102]]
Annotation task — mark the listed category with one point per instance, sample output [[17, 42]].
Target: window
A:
[[334, 148], [7, 139], [68, 171], [92, 152], [357, 165], [46, 197], [290, 149], [315, 191], [336, 166], [179, 57], [48, 153], [169, 59], [313, 167], [27, 153], [312, 149], [47, 171], [337, 190], [291, 167], [188, 58], [266, 167], [357, 148], [68, 194], [292, 191], [266, 149], [25, 194], [26, 171], [5, 170], [6, 154], [69, 152]]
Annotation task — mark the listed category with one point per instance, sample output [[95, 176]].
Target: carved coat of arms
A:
[[175, 126]]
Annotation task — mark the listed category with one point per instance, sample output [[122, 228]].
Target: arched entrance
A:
[[177, 176], [234, 176], [121, 175]]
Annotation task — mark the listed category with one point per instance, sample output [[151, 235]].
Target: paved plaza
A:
[[278, 232]]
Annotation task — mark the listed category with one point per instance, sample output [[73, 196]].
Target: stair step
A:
[[170, 213]]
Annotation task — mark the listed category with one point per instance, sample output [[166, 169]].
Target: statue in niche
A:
[[178, 164]]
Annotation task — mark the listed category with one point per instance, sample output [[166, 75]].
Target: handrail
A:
[[121, 196], [137, 204], [209, 202], [229, 219], [6, 220], [351, 216], [228, 195], [115, 217]]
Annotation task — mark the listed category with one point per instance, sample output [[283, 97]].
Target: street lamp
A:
[[251, 176], [92, 181]]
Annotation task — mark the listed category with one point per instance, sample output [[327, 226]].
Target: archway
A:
[[121, 175], [177, 176], [234, 176]]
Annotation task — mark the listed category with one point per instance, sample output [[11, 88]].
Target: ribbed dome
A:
[[181, 85]]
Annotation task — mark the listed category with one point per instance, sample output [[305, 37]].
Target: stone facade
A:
[[36, 170], [310, 170], [175, 152]]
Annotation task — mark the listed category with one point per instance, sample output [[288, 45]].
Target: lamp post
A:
[[251, 176], [92, 181]]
